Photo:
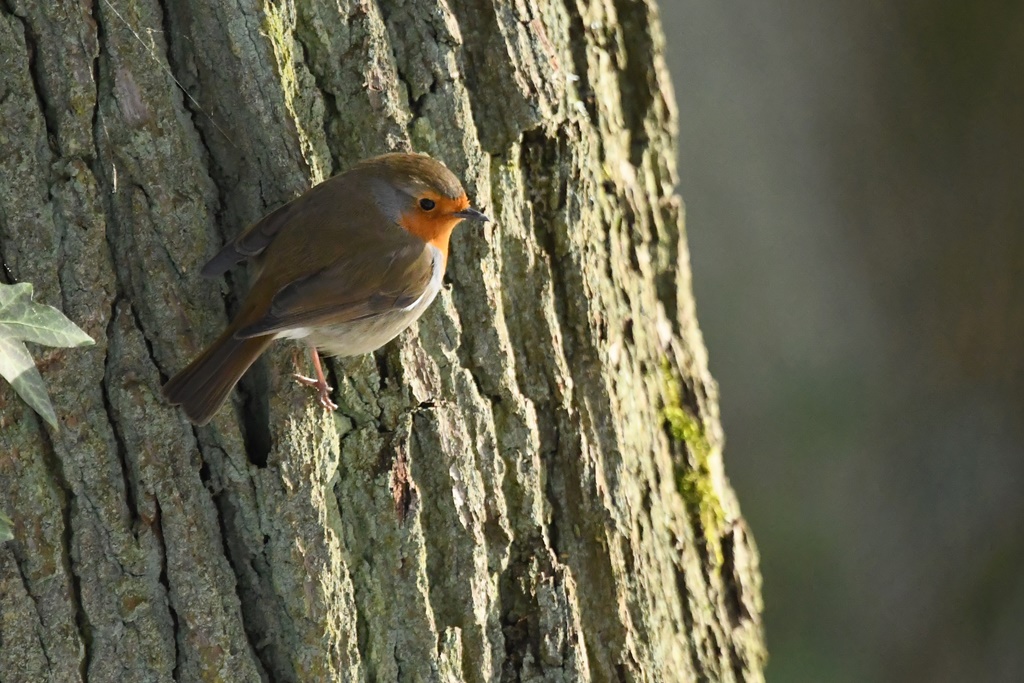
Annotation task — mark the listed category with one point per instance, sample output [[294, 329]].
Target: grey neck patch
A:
[[391, 200]]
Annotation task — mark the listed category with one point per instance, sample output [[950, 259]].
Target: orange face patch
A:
[[434, 225]]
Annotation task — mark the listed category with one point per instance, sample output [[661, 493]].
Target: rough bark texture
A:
[[526, 486]]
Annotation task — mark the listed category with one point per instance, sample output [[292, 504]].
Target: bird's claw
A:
[[323, 390], [326, 402], [306, 381]]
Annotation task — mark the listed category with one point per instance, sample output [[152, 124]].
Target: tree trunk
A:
[[527, 485]]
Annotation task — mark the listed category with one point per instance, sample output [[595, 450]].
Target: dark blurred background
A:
[[853, 173]]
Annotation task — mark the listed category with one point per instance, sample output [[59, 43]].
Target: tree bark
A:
[[528, 485]]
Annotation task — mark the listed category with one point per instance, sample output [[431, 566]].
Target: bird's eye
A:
[[427, 204]]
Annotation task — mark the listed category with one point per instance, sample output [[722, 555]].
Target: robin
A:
[[345, 267]]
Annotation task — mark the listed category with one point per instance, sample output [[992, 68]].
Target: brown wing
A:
[[359, 285], [260, 234]]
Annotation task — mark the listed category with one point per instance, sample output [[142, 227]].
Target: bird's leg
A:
[[320, 382], [297, 364]]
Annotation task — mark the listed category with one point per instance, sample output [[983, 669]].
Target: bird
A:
[[344, 267]]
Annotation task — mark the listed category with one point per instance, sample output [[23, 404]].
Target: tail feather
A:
[[202, 387]]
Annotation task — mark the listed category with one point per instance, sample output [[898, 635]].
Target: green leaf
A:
[[17, 366], [21, 320], [36, 323], [6, 528]]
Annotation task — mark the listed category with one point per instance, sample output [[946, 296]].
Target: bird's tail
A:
[[202, 387]]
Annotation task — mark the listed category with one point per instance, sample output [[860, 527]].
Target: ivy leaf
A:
[[6, 528], [22, 321]]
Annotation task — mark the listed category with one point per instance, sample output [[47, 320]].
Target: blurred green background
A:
[[853, 173]]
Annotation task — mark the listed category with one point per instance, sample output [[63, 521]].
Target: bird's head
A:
[[421, 195]]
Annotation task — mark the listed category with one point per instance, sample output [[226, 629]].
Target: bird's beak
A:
[[471, 214]]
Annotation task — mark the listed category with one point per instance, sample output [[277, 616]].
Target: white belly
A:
[[363, 336]]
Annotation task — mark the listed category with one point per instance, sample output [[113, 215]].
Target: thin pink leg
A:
[[320, 382]]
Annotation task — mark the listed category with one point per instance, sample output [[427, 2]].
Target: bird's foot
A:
[[305, 381], [319, 382], [325, 399], [322, 389]]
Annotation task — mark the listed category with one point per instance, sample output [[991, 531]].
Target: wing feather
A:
[[395, 280], [305, 210]]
